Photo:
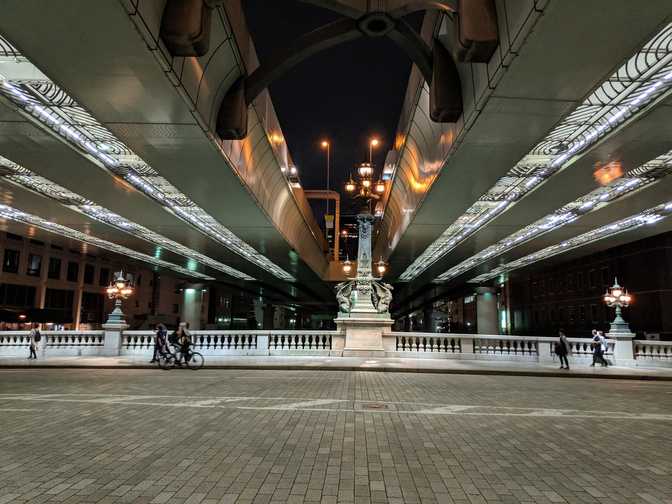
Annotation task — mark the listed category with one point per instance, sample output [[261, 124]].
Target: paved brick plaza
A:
[[218, 436]]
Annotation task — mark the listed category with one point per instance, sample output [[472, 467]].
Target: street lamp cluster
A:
[[617, 297], [381, 267], [368, 190], [120, 288], [365, 187]]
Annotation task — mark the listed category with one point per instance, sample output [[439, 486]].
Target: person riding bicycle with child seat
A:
[[184, 341]]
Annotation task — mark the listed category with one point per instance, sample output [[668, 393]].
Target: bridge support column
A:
[[192, 306], [486, 310]]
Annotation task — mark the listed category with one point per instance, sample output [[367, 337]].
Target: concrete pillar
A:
[[269, 316], [192, 306], [427, 320], [486, 311], [79, 294], [42, 288]]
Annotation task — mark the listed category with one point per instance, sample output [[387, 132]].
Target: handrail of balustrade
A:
[[250, 332], [67, 333], [653, 343], [504, 337]]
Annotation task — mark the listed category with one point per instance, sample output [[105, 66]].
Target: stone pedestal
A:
[[363, 333], [623, 346], [113, 338], [619, 331]]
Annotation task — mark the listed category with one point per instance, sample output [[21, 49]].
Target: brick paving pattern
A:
[[226, 436]]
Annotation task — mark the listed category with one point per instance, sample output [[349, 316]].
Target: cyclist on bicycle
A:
[[184, 341]]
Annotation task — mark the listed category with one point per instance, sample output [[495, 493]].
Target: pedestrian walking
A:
[[562, 349], [160, 342], [35, 338], [599, 345]]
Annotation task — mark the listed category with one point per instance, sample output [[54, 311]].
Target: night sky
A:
[[346, 94]]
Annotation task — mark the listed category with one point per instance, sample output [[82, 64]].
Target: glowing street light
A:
[[372, 144], [120, 288], [617, 297], [381, 267], [365, 170], [327, 146], [347, 266]]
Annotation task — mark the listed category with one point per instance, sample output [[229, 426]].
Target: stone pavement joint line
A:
[[271, 436]]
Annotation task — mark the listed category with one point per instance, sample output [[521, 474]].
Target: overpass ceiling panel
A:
[[575, 41], [26, 179], [32, 148], [21, 206], [525, 54], [119, 74], [63, 117], [630, 170], [624, 96], [499, 138]]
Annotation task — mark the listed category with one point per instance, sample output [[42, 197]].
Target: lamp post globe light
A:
[[120, 288], [617, 297]]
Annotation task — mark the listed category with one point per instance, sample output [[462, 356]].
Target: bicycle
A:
[[169, 360]]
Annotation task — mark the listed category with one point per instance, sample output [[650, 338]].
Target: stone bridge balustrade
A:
[[140, 344]]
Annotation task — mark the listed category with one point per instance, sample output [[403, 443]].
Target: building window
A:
[[17, 295], [34, 265], [104, 277], [176, 308], [605, 277], [593, 313], [138, 282], [73, 272], [54, 268], [579, 281], [58, 299], [92, 307], [11, 261], [592, 279], [582, 313], [89, 273], [13, 236]]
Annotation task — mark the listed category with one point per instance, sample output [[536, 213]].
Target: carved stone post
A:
[[364, 301]]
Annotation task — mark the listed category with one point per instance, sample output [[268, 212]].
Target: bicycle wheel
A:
[[196, 361], [166, 361]]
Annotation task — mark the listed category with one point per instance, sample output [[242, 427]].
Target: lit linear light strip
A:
[[25, 178], [647, 217], [644, 78], [44, 102], [10, 213], [646, 175]]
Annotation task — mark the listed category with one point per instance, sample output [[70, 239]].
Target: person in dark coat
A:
[[160, 343], [562, 349]]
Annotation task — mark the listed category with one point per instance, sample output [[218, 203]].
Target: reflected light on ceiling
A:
[[604, 174]]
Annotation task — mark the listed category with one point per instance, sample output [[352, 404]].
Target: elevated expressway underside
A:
[[562, 150], [104, 133]]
